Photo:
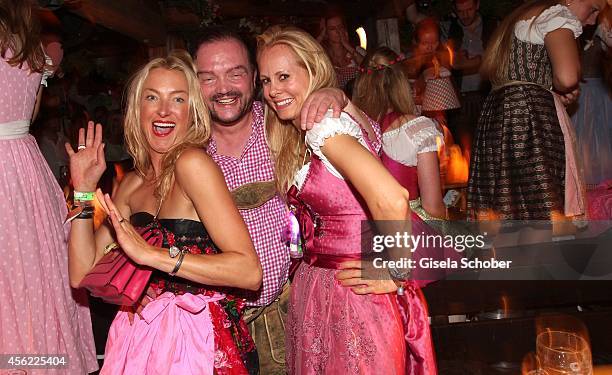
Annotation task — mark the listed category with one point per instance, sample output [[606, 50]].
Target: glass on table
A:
[[563, 353]]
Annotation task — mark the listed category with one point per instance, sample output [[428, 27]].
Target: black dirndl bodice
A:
[[517, 168]]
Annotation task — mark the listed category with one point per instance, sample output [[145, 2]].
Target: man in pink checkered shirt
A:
[[227, 74]]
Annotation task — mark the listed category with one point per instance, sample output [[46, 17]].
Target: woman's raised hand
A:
[[87, 164]]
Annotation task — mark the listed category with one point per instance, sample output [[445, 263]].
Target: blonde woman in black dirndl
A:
[[523, 166]]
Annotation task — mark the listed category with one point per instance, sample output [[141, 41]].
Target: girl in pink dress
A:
[[410, 143], [339, 320], [39, 312], [410, 147]]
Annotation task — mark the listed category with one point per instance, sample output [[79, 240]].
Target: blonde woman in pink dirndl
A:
[[340, 320]]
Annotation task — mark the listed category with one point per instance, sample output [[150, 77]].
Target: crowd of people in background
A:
[[221, 150], [449, 46]]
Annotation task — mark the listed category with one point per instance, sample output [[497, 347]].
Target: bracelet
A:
[[110, 247], [178, 264], [84, 195], [401, 274], [86, 213], [77, 203]]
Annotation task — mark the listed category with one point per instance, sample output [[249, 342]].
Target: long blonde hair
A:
[[20, 33], [496, 60], [285, 141], [198, 132], [382, 85]]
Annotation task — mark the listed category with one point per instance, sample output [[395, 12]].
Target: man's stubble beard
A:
[[246, 108]]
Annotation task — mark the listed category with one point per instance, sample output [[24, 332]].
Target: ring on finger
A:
[[81, 147], [110, 247]]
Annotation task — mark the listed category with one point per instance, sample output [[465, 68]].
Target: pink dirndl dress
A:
[[39, 313], [189, 329], [330, 329]]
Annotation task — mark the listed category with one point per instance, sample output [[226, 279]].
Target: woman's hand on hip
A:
[[374, 281]]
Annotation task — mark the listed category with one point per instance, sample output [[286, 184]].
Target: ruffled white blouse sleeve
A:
[[413, 137], [556, 17], [327, 128]]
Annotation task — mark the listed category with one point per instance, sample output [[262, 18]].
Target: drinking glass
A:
[[563, 353]]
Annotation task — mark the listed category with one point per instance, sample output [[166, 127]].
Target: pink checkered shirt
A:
[[267, 222]]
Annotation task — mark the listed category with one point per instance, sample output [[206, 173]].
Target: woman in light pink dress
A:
[[340, 320], [39, 312]]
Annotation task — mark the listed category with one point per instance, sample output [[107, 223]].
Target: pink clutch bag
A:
[[117, 279]]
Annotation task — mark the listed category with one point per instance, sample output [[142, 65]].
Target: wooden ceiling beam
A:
[[133, 18]]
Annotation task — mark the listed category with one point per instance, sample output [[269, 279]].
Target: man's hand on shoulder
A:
[[318, 103]]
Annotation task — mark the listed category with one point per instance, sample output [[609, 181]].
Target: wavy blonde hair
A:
[[387, 85], [198, 132], [285, 141]]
